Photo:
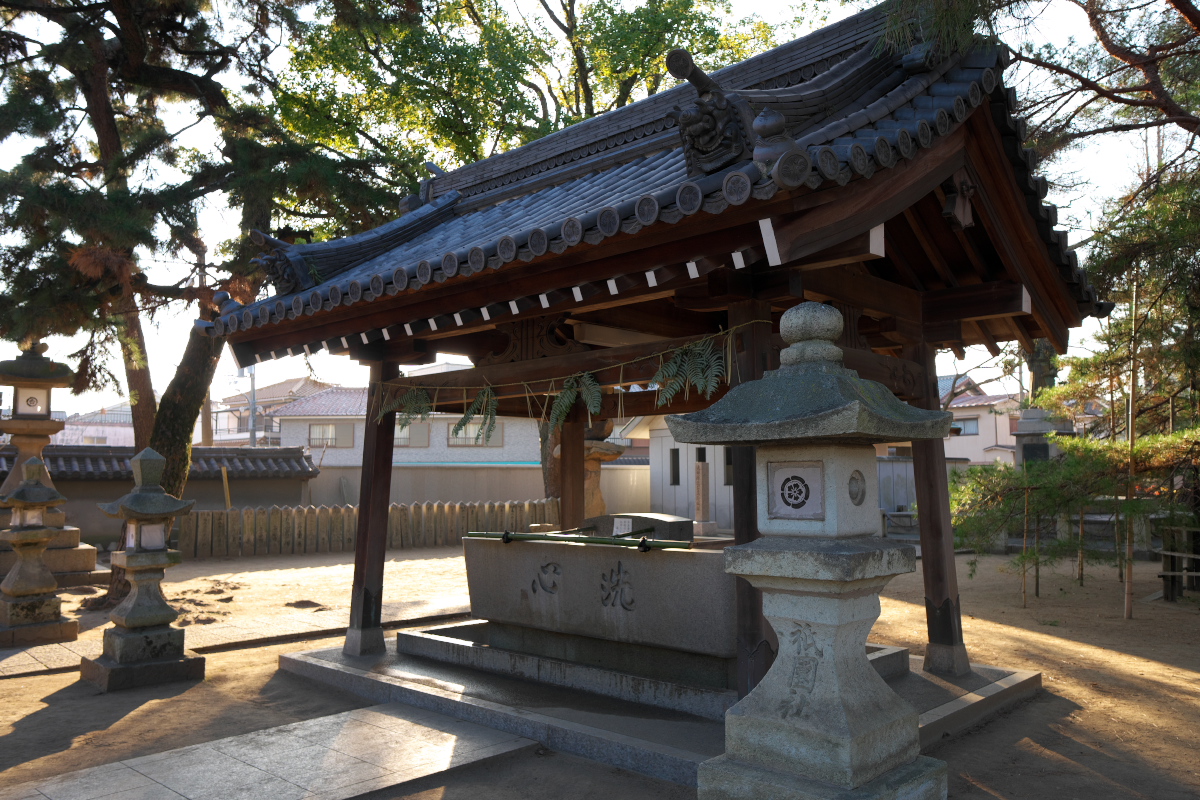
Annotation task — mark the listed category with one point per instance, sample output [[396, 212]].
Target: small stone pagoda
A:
[[142, 648], [30, 608], [821, 723]]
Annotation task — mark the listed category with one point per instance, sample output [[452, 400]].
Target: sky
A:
[[1108, 164]]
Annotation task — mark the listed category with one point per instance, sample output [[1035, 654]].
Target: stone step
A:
[[353, 754], [81, 558], [661, 743], [460, 644], [67, 538]]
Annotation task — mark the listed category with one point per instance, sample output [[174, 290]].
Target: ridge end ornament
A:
[[714, 128]]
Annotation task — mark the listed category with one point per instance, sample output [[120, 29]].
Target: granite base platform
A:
[[110, 676], [655, 676], [39, 633], [659, 742]]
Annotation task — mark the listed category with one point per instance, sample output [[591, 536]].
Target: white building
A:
[[429, 462]]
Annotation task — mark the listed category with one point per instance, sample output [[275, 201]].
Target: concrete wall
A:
[[666, 498], [626, 488], [515, 441], [98, 528]]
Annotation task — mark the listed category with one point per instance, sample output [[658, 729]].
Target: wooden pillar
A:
[[756, 642], [946, 653], [571, 443], [365, 634]]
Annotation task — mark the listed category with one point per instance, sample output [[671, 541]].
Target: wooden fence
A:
[[241, 532]]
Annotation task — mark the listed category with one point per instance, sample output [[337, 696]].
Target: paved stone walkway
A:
[[327, 758]]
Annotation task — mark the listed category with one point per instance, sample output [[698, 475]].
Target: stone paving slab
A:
[[64, 657], [326, 758]]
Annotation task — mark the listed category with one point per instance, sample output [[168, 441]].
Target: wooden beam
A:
[[946, 653], [365, 634], [609, 365], [906, 379], [975, 302], [865, 246], [864, 204], [930, 248], [1000, 207], [604, 336], [875, 296], [571, 444], [753, 351]]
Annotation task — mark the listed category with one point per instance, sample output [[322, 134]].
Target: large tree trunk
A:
[[137, 373], [180, 407]]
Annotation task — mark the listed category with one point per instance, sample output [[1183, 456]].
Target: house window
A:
[[466, 437], [701, 455], [331, 435], [674, 466], [95, 440], [414, 435], [968, 426], [729, 466]]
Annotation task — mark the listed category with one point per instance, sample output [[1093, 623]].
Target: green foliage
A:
[[699, 366], [484, 405], [458, 82], [410, 405], [582, 385], [990, 504]]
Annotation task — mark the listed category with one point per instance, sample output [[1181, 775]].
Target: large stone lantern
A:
[[821, 723], [142, 648], [32, 376], [30, 611]]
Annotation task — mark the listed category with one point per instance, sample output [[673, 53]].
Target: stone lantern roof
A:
[[32, 492], [32, 368], [148, 500], [810, 399]]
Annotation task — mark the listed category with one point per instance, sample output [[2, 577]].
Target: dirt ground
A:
[[50, 724], [1117, 719], [235, 590]]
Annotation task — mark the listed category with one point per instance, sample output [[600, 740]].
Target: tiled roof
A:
[[94, 463], [845, 113], [295, 387], [341, 401], [971, 400]]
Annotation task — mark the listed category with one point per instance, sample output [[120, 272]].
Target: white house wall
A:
[[681, 500]]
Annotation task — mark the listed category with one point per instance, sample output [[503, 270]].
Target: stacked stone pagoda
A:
[[821, 723], [142, 648], [30, 609]]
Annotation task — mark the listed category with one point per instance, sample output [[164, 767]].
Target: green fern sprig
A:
[[484, 405], [413, 404], [698, 366], [563, 402]]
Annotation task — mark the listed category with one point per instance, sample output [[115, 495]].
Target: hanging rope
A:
[[699, 365]]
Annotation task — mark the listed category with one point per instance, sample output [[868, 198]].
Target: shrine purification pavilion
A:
[[896, 187]]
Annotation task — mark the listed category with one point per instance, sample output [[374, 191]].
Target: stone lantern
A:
[[821, 723], [142, 648], [32, 376], [30, 611]]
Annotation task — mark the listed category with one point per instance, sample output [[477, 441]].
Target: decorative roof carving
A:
[[714, 128]]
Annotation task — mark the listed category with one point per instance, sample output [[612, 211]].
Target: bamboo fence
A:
[[295, 530]]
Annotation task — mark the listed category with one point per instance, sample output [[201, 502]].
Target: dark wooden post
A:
[[946, 653], [571, 443], [756, 644], [365, 634]]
